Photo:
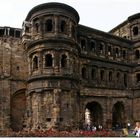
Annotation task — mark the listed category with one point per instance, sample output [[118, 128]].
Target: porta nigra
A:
[[56, 73]]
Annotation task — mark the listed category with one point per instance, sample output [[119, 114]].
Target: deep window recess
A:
[[1, 32], [36, 27], [35, 62], [138, 77], [110, 76], [48, 25], [48, 60], [135, 31], [83, 44], [27, 29], [63, 60], [125, 80], [118, 77], [102, 74], [61, 119], [93, 74], [92, 46], [124, 54], [48, 119], [11, 32], [84, 73], [17, 34], [137, 54], [63, 26], [101, 48], [109, 50], [116, 52]]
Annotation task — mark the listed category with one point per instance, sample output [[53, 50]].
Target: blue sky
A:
[[99, 14]]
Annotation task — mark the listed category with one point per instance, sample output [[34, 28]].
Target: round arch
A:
[[93, 114], [118, 115], [18, 107]]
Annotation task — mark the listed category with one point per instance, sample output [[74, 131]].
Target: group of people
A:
[[93, 127], [137, 129]]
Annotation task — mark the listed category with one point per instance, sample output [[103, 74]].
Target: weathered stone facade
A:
[[55, 69]]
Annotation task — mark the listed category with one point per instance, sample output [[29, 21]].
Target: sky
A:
[[99, 14]]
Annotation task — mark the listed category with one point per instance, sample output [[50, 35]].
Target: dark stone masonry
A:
[[56, 73]]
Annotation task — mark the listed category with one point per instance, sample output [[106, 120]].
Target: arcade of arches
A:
[[94, 114]]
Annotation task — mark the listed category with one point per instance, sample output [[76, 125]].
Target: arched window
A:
[[102, 75], [63, 60], [110, 76], [93, 74], [125, 80], [36, 27], [84, 73], [48, 60], [137, 54], [83, 44], [135, 31], [63, 26], [48, 25], [35, 62], [92, 46]]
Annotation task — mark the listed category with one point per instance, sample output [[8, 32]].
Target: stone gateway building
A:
[[56, 73]]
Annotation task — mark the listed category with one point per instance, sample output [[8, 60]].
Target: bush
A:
[[52, 133]]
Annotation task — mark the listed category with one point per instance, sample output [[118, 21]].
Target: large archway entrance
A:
[[118, 115], [18, 107], [93, 114]]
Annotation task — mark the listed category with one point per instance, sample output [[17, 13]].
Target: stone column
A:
[[28, 116], [108, 117], [56, 108], [56, 25]]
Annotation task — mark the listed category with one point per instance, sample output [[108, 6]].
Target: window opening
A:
[[109, 50], [48, 25], [63, 60], [84, 73], [138, 77], [11, 32], [125, 80], [124, 54], [137, 54], [17, 34], [93, 74], [102, 74], [1, 32], [63, 26], [110, 76], [37, 27], [135, 31], [83, 44], [35, 62], [48, 60], [117, 52], [118, 76], [92, 46], [101, 48]]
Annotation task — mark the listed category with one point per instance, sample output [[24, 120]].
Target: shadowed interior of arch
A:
[[93, 114]]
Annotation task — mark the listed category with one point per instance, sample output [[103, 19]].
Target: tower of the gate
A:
[[50, 42]]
